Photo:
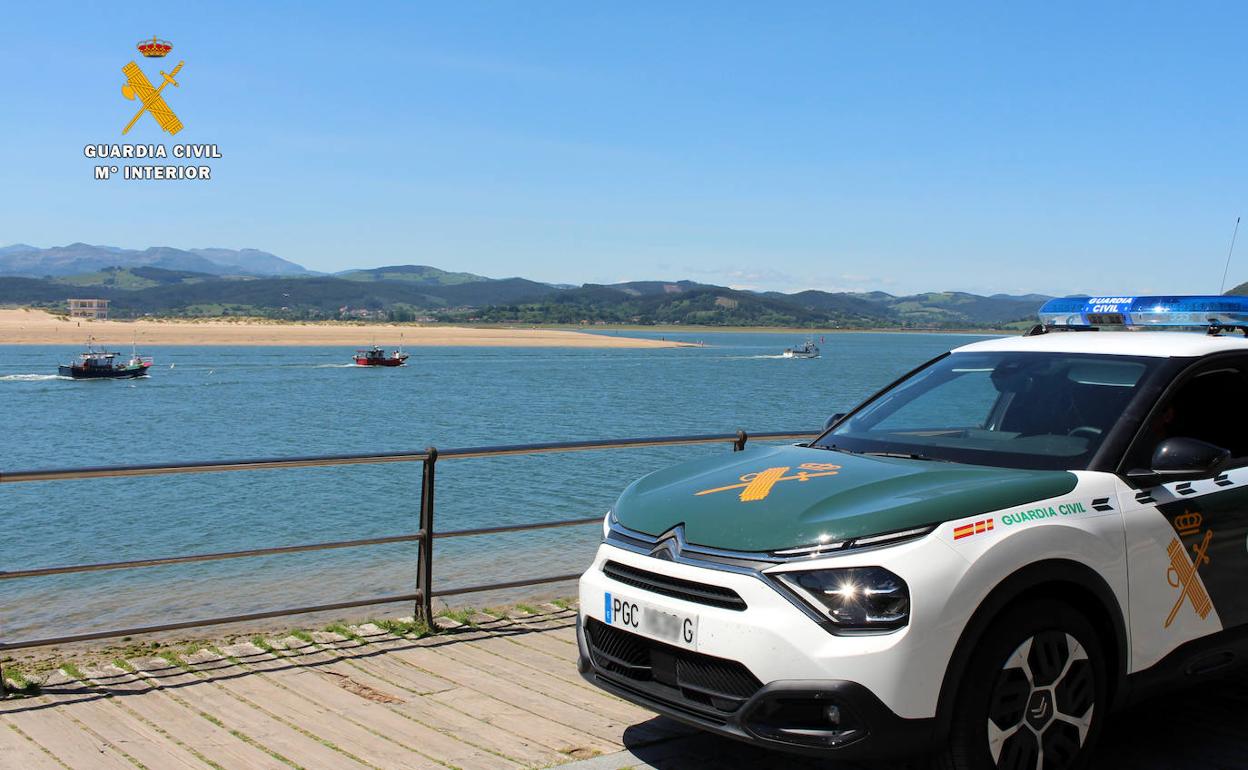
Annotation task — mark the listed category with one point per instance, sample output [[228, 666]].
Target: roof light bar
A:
[[1189, 311]]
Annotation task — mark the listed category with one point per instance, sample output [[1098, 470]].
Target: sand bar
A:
[[22, 326]]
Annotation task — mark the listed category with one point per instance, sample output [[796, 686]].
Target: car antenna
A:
[[1222, 288]]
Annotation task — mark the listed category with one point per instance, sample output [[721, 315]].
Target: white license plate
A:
[[646, 619]]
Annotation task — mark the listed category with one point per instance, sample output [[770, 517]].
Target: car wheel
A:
[[1034, 695]]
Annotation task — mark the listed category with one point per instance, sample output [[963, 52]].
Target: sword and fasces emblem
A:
[[1184, 572], [138, 86], [757, 486]]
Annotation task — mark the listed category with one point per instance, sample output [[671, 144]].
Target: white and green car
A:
[[979, 563]]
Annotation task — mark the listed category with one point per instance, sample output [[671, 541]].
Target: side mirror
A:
[[833, 420], [1179, 458]]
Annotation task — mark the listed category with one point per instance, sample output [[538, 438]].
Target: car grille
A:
[[690, 591], [684, 678]]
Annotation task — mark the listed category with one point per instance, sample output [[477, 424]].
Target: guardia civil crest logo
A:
[[139, 87]]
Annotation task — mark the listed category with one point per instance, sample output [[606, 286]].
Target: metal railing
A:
[[424, 594]]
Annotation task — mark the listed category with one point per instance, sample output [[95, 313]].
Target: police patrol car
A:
[[979, 562]]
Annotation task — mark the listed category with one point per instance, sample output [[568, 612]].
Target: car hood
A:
[[772, 498]]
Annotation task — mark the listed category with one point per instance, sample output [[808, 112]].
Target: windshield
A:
[[1008, 409]]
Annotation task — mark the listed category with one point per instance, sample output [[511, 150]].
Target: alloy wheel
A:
[[1041, 706]]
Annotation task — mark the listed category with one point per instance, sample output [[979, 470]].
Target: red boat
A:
[[376, 356]]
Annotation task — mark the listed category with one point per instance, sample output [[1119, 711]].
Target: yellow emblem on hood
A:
[[757, 486]]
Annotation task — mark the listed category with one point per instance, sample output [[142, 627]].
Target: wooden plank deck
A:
[[501, 696]]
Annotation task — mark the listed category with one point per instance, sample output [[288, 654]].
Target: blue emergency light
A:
[[1190, 311]]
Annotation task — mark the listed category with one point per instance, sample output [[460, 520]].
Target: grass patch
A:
[[190, 648], [139, 650], [16, 682], [529, 608], [245, 738], [563, 604], [212, 719], [263, 644], [302, 635], [342, 629], [175, 659], [414, 628], [461, 615], [73, 672], [123, 664]]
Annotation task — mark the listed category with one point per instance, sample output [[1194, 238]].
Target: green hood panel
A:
[[863, 496]]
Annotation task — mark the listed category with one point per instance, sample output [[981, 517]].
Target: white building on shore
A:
[[88, 308]]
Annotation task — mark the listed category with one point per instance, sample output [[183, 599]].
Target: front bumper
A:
[[790, 715], [767, 673]]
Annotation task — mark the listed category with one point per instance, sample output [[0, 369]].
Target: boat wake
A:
[[335, 366], [32, 377]]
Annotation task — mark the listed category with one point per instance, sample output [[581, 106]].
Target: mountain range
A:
[[214, 281], [32, 262]]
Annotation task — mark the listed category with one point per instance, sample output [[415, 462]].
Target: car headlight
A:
[[853, 598], [606, 524]]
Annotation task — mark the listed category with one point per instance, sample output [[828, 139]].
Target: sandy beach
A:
[[36, 327]]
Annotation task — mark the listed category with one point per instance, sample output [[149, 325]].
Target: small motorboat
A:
[[807, 350], [101, 364], [376, 356]]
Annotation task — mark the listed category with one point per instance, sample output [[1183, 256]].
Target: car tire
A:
[[1034, 695]]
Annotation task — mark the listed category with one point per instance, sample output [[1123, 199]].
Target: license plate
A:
[[646, 619]]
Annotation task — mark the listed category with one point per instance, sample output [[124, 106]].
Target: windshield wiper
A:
[[905, 456], [834, 448], [901, 455]]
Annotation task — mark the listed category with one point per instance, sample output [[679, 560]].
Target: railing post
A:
[[424, 568], [739, 444], [4, 687]]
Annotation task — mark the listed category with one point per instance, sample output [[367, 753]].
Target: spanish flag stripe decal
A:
[[974, 528]]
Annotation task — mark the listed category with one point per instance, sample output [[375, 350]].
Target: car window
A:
[[1008, 408], [1206, 406], [962, 401]]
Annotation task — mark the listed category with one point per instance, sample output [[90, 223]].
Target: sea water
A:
[[211, 403]]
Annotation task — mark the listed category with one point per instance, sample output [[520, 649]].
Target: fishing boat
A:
[[376, 356], [808, 350], [102, 364]]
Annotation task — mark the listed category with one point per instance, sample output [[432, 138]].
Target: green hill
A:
[[409, 292], [134, 277], [422, 274], [714, 306]]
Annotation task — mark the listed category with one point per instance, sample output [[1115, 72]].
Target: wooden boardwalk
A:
[[500, 696], [503, 695]]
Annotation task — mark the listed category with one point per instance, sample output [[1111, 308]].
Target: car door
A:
[[1188, 540]]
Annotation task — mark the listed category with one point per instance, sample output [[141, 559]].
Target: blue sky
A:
[[841, 146]]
